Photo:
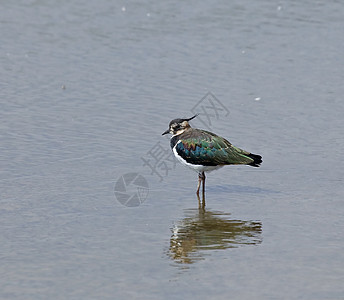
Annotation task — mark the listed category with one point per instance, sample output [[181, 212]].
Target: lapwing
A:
[[204, 151]]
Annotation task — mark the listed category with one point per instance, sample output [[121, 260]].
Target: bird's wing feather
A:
[[206, 148]]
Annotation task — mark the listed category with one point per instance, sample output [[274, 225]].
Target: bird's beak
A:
[[166, 132]]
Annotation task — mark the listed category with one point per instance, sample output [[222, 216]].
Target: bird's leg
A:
[[199, 201], [199, 183], [203, 187], [201, 178]]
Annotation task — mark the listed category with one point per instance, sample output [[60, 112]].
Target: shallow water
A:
[[93, 205]]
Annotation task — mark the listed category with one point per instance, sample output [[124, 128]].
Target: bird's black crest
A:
[[182, 120]]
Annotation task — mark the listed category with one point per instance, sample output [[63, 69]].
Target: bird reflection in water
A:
[[202, 230]]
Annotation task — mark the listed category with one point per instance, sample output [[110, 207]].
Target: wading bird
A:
[[204, 151]]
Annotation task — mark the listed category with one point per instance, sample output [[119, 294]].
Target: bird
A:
[[204, 151]]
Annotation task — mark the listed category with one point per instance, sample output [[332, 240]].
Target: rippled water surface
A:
[[93, 205]]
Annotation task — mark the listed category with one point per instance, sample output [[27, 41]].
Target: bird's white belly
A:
[[197, 168]]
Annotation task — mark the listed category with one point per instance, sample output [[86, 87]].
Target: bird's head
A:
[[178, 126]]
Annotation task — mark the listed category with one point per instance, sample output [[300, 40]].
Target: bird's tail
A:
[[257, 160]]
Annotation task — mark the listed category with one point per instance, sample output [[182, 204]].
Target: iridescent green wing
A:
[[205, 148]]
